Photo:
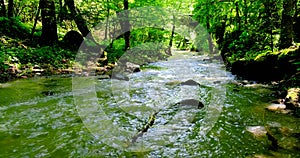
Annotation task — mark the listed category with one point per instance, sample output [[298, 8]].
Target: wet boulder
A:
[[191, 102], [292, 98], [190, 83], [131, 67], [208, 60], [257, 131], [281, 108], [119, 76]]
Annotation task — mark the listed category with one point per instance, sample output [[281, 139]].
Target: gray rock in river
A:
[[102, 77], [119, 76], [190, 83], [131, 67], [257, 131], [191, 102]]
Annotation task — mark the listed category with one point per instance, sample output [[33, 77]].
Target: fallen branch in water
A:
[[150, 122]]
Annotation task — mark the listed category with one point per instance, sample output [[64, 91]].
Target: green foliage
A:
[[19, 58], [51, 55], [116, 50], [3, 64], [13, 28], [25, 10], [251, 27], [297, 63], [144, 35]]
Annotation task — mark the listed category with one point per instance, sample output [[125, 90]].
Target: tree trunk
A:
[[269, 22], [172, 35], [238, 18], [220, 32], [246, 12], [10, 8], [60, 14], [297, 23], [107, 20], [3, 9], [286, 34], [35, 21], [126, 26], [168, 51], [80, 22], [209, 38], [173, 32], [49, 29]]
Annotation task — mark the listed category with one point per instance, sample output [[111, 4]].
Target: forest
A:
[[149, 78]]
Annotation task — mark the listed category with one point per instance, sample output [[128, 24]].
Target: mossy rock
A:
[[292, 98], [72, 40], [268, 66]]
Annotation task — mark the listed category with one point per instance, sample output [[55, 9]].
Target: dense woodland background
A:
[[47, 33]]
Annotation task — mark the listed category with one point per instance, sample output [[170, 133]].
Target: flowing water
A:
[[87, 117]]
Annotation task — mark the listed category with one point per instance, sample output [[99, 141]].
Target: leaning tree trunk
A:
[[168, 51], [220, 32], [286, 32], [126, 26], [35, 21], [3, 9], [10, 8], [76, 16], [107, 20], [49, 29]]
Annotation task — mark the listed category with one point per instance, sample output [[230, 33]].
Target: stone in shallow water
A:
[[276, 107], [102, 77], [131, 67], [292, 98], [119, 76], [191, 102], [190, 83], [257, 131]]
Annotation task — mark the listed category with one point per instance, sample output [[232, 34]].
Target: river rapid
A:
[[87, 117]]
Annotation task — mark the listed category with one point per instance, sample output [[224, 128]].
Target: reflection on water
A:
[[38, 117]]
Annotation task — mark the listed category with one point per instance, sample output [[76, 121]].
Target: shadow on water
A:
[[38, 117]]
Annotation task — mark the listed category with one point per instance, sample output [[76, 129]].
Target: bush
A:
[[13, 28]]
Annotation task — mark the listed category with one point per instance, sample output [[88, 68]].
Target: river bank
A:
[[281, 69]]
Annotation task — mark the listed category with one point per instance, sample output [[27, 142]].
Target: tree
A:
[[49, 29], [3, 9], [286, 34], [126, 26], [204, 13], [76, 16], [10, 8]]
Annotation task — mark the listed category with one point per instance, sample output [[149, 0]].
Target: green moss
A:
[[293, 94], [145, 67], [262, 56], [289, 52]]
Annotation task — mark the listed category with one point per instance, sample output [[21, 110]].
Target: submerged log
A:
[[145, 128]]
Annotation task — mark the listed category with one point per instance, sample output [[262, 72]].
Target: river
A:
[[86, 117]]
